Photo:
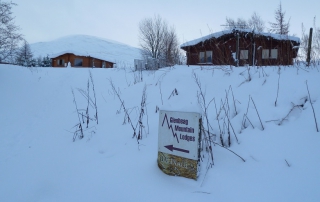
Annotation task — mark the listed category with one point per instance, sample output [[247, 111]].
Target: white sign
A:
[[179, 133]]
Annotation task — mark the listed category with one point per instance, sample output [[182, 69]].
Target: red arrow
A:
[[171, 148]]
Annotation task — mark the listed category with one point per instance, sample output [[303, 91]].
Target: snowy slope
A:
[[40, 162], [109, 50]]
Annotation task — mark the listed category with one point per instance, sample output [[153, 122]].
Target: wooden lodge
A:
[[242, 47], [79, 60]]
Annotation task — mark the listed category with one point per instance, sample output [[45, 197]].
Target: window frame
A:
[[60, 62], [202, 57], [265, 53], [274, 53], [244, 54], [76, 64], [206, 57]]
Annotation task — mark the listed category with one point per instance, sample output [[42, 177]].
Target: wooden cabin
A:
[[242, 47], [79, 60]]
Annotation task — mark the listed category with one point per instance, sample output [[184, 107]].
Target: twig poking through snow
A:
[[295, 106], [314, 115], [230, 151], [257, 113], [205, 175], [160, 92], [173, 93], [287, 163], [79, 131], [229, 123], [95, 98]]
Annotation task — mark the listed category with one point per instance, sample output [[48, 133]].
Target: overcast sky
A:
[[45, 20]]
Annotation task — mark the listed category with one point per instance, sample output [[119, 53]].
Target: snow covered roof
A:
[[84, 45], [225, 32], [79, 53]]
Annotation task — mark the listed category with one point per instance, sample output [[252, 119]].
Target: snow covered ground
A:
[[40, 162]]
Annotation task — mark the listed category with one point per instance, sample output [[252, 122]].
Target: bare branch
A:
[[314, 115], [257, 113]]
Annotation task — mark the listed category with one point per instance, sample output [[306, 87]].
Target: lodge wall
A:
[[79, 61], [261, 49]]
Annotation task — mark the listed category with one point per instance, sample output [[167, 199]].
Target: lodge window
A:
[[265, 54], [78, 62], [202, 58], [60, 62], [274, 53], [205, 57], [209, 56], [244, 54]]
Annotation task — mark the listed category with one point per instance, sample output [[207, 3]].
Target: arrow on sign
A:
[[171, 148]]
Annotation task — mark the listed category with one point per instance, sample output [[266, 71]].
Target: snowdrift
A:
[[40, 162]]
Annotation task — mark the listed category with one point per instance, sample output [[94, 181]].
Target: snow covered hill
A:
[[113, 51], [40, 162]]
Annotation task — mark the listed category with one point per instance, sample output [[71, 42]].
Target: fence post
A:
[[237, 49], [309, 47]]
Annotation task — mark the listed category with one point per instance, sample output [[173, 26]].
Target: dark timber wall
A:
[[224, 50], [62, 61]]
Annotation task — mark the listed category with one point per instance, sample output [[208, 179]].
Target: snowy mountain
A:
[[39, 161], [119, 53]]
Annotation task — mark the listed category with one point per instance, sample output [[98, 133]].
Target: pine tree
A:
[[33, 62], [46, 61], [24, 55], [280, 26], [39, 61]]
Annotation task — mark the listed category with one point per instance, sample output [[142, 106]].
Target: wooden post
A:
[[254, 54], [309, 47], [237, 49], [253, 48]]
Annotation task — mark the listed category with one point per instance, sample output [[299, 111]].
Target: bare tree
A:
[[24, 55], [315, 46], [240, 23], [280, 26], [230, 23], [256, 23], [316, 43], [9, 36], [157, 40], [152, 31], [171, 48], [303, 41]]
